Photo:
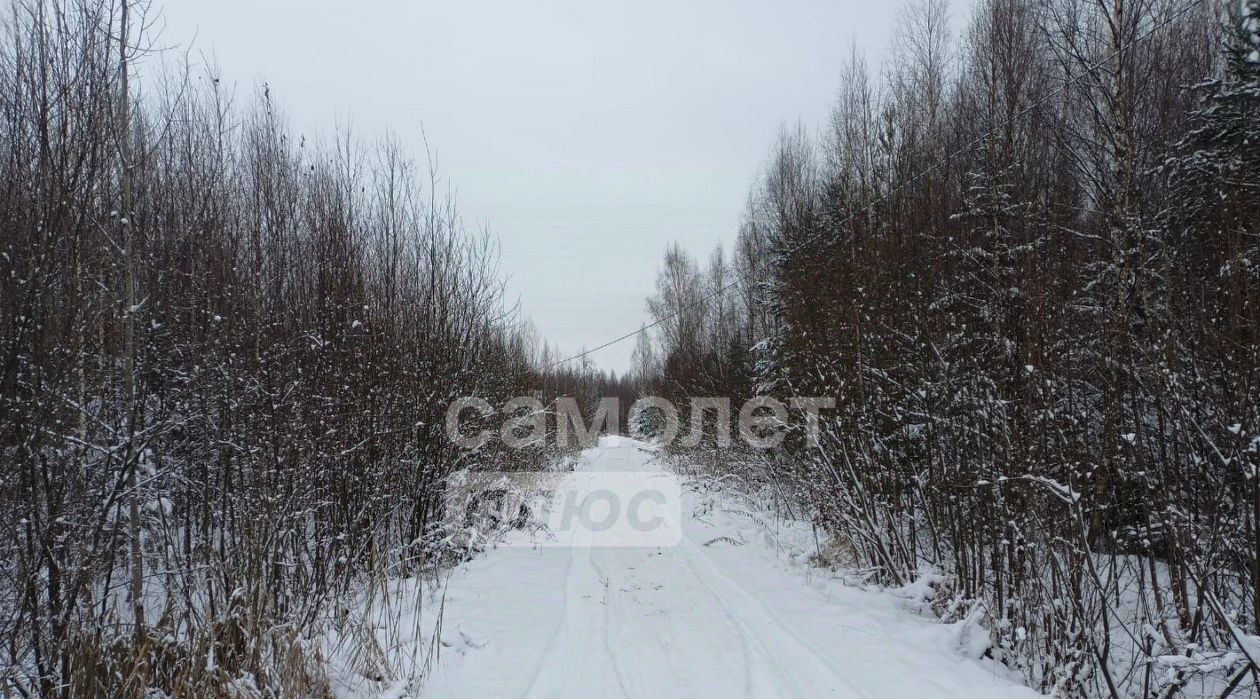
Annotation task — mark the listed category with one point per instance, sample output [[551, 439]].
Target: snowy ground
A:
[[723, 614]]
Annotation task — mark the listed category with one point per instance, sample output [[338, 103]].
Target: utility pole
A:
[[129, 322]]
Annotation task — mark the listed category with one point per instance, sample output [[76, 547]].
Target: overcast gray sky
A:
[[587, 135]]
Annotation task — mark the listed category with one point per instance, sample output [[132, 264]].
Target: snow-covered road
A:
[[693, 620]]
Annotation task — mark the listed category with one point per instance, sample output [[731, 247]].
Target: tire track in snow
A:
[[689, 621], [625, 676], [763, 630], [570, 666], [749, 601], [554, 641]]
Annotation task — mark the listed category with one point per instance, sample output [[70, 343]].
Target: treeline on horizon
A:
[[1025, 260]]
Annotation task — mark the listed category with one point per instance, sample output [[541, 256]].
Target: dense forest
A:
[[226, 354], [1023, 259], [1026, 264]]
